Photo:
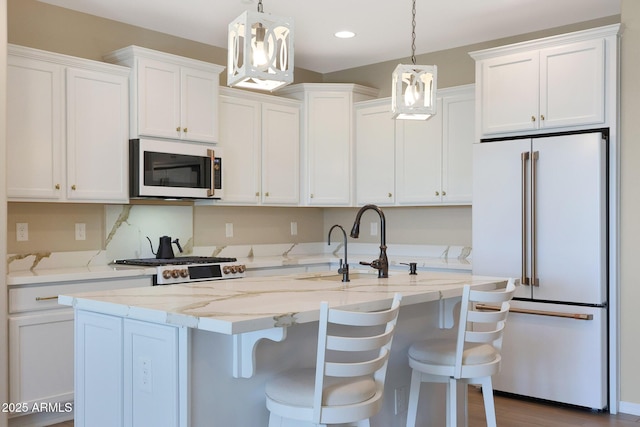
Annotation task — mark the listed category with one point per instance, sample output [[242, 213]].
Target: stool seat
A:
[[470, 356]]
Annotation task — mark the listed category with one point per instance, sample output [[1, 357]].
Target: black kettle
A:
[[165, 251]]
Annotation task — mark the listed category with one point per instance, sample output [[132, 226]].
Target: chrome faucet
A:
[[382, 263], [344, 268]]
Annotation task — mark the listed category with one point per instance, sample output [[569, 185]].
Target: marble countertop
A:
[[254, 304]]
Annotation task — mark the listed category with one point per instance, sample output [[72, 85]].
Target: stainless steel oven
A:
[[189, 269], [174, 169]]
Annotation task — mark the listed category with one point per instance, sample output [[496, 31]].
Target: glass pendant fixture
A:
[[413, 90], [260, 51]]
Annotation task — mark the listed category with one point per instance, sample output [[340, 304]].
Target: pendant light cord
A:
[[413, 33]]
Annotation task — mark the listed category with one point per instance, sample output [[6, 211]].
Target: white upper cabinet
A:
[[327, 140], [375, 153], [261, 137], [67, 128], [546, 84], [171, 96], [415, 162]]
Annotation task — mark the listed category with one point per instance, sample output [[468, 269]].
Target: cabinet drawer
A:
[[44, 297]]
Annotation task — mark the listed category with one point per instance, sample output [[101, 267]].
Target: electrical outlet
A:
[[22, 231], [374, 228], [228, 229], [294, 228], [146, 374], [81, 231]]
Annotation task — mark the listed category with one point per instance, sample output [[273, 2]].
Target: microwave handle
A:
[[211, 154]]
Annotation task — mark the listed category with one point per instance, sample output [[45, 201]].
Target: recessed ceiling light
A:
[[345, 34]]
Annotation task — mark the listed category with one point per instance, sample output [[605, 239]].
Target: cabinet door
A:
[[280, 154], [99, 382], [419, 160], [35, 131], [240, 137], [457, 141], [328, 165], [97, 122], [509, 93], [158, 86], [41, 357], [375, 155], [199, 105], [572, 82]]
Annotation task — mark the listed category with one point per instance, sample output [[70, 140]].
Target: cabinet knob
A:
[[266, 194], [57, 186], [444, 193], [178, 129], [542, 117], [533, 118], [73, 187], [389, 195], [257, 193], [437, 193], [185, 130], [311, 196]]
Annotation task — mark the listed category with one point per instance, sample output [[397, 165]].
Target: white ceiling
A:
[[383, 27]]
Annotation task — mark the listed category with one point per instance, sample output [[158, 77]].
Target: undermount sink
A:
[[335, 277]]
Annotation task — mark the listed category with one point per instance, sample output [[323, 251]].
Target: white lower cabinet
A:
[[412, 163], [41, 342], [129, 373], [261, 139]]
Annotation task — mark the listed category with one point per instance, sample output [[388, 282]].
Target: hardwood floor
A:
[[512, 412]]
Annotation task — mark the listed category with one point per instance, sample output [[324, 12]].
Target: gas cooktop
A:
[[153, 262]]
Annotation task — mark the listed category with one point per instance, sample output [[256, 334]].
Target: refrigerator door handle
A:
[[534, 276], [577, 316], [523, 158]]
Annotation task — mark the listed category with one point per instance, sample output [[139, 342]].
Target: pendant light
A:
[[414, 86], [260, 51]]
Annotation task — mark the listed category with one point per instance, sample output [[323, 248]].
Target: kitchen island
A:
[[199, 354]]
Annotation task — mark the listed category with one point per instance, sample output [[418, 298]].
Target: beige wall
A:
[[455, 66], [630, 203]]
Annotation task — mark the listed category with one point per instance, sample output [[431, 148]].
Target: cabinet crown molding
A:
[[127, 54], [65, 60], [561, 39]]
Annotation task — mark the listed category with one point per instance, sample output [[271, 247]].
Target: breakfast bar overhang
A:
[[188, 355]]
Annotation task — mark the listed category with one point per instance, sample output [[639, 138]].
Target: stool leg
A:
[[452, 391], [489, 406], [414, 393]]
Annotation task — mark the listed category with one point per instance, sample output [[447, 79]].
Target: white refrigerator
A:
[[540, 215]]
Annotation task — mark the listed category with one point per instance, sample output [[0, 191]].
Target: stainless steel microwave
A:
[[174, 169]]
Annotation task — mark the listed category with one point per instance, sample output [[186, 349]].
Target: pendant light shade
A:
[[413, 90], [260, 51]]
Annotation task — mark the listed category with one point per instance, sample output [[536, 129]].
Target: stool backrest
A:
[[482, 326], [353, 344]]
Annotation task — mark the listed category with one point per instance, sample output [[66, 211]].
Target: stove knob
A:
[[184, 273], [166, 274], [234, 269], [226, 269], [175, 274], [241, 268]]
